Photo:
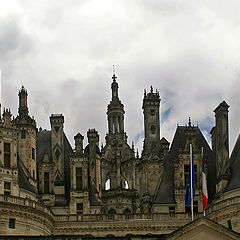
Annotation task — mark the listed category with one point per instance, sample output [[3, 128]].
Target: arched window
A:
[[153, 129], [119, 124], [127, 211], [114, 125], [112, 211], [126, 184], [108, 184]]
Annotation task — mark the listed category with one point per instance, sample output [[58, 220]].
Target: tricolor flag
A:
[[204, 191]]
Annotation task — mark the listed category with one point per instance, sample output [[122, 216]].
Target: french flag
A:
[[204, 191]]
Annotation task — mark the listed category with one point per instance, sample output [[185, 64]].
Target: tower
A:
[[57, 149], [23, 108], [94, 158], [8, 156], [84, 199], [115, 113], [117, 161], [151, 103], [220, 144], [27, 137], [150, 167]]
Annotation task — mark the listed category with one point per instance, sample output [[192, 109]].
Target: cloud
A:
[[63, 53]]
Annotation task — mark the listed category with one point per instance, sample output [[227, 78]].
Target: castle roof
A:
[[23, 179], [165, 193], [234, 181], [44, 145]]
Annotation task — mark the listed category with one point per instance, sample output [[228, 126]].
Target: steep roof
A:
[[22, 178], [234, 160], [165, 193], [44, 144]]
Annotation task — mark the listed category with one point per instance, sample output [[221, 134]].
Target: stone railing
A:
[[26, 202], [97, 217], [216, 206], [123, 217]]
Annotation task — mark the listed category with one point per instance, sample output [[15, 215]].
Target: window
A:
[[78, 178], [114, 125], [195, 207], [108, 184], [33, 153], [7, 188], [171, 209], [126, 185], [11, 223], [112, 211], [79, 208], [152, 111], [7, 155], [127, 211], [119, 124], [186, 174], [23, 134], [46, 182], [153, 128]]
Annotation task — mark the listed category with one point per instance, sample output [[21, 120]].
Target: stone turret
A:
[[220, 145], [151, 103], [115, 113], [79, 143], [27, 138], [94, 158]]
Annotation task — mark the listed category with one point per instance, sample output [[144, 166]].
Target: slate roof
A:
[[22, 179], [234, 181], [165, 192], [44, 145]]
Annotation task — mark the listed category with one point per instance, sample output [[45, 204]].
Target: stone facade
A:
[[49, 188]]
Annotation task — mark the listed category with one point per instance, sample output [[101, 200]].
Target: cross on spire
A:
[[189, 122], [114, 77]]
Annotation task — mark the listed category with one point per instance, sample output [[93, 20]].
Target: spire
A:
[[114, 77], [151, 89], [189, 122], [114, 86], [115, 111]]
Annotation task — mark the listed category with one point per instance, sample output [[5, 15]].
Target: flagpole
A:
[[191, 169]]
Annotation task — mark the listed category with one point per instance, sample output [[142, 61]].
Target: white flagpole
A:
[[191, 169]]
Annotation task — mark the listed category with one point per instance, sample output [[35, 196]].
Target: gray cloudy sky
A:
[[63, 52]]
